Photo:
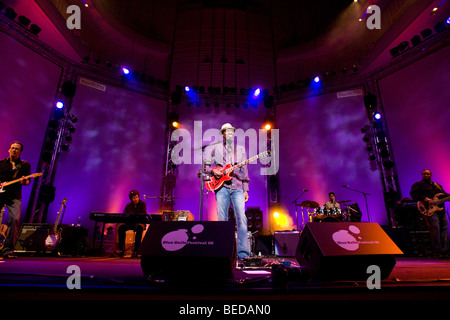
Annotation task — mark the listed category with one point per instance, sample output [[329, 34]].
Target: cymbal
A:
[[309, 204], [344, 201]]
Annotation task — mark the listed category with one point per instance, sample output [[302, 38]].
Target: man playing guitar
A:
[[234, 190], [13, 168], [427, 192]]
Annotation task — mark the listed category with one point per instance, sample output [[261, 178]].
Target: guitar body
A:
[[429, 210], [215, 184], [3, 229], [53, 240]]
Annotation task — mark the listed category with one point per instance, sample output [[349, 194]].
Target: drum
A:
[[330, 219], [317, 215]]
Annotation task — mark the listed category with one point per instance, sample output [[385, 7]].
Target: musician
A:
[[424, 191], [13, 168], [234, 191], [136, 206], [331, 204]]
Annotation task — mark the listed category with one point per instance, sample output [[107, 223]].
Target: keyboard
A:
[[124, 218]]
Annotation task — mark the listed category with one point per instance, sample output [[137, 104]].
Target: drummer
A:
[[332, 204]]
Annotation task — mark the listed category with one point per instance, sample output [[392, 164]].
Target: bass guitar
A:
[[430, 209], [4, 184], [54, 236], [3, 229], [215, 184]]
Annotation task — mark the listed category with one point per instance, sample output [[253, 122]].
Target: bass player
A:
[[234, 191], [424, 191]]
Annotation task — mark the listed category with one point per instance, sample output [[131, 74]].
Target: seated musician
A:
[[332, 204], [136, 206]]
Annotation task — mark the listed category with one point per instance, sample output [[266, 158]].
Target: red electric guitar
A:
[[214, 184]]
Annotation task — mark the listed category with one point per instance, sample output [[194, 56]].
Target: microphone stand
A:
[[201, 175], [365, 199], [296, 214]]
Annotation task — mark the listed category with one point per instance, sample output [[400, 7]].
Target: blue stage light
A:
[[448, 20], [316, 79], [125, 70], [187, 89], [59, 105], [256, 93], [377, 116]]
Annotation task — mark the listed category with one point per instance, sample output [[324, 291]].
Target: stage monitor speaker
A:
[[286, 243], [32, 237], [188, 250], [345, 250]]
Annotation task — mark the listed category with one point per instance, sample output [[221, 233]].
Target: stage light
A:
[[59, 105], [125, 70], [276, 215], [256, 93], [175, 124], [187, 89], [448, 20], [316, 79], [377, 116], [267, 127]]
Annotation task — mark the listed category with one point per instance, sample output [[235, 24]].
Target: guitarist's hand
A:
[[427, 200], [217, 173], [24, 181]]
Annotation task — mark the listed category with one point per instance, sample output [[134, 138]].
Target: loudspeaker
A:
[[286, 243], [344, 250], [188, 250], [32, 237]]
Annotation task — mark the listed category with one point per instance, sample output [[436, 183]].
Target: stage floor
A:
[[105, 280]]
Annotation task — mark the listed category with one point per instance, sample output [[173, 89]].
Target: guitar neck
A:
[[243, 163], [17, 180], [440, 201]]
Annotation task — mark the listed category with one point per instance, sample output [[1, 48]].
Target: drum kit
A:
[[316, 213]]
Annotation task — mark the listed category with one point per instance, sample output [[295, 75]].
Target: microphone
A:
[[345, 185]]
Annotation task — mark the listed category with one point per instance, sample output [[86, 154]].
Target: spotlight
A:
[[448, 20], [125, 70], [59, 105], [316, 79], [187, 89], [377, 116], [267, 127], [256, 93], [175, 124]]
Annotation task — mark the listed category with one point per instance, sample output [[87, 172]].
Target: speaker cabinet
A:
[[344, 250], [286, 243], [32, 237], [188, 250]]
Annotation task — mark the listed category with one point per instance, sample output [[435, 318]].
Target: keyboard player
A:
[[135, 206]]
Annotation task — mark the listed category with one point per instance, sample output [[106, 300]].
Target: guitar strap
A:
[[439, 187]]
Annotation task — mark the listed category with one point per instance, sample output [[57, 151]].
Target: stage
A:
[[107, 283]]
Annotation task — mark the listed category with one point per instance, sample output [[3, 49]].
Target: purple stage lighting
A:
[[448, 20]]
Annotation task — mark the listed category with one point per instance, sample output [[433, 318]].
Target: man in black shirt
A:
[[13, 168], [136, 206], [425, 190]]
